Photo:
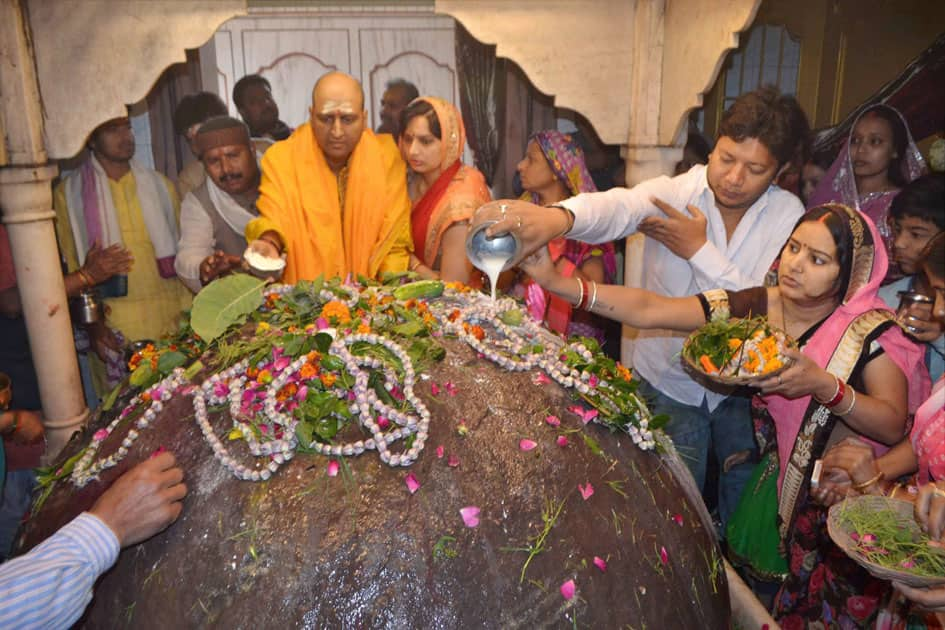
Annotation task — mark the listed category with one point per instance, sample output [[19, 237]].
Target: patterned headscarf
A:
[[566, 159]]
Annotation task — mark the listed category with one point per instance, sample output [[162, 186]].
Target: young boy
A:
[[916, 215]]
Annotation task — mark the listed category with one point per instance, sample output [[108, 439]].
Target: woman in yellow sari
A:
[[444, 192]]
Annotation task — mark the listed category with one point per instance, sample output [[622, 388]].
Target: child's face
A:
[[912, 235]]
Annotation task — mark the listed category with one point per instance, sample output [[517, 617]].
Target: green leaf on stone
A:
[[225, 302], [171, 360]]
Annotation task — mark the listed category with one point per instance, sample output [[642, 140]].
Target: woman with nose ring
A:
[[444, 192], [848, 378]]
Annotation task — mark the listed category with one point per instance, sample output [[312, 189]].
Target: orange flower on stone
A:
[[308, 371], [624, 372], [336, 312]]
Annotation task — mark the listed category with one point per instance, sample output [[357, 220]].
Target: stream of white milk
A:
[[492, 266]]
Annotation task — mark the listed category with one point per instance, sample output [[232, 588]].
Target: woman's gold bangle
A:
[[867, 484]]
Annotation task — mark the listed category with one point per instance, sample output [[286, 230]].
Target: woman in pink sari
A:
[[444, 191], [878, 159], [848, 378]]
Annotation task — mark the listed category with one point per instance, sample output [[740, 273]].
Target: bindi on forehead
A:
[[344, 107]]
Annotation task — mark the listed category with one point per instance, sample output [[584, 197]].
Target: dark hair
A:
[[933, 256], [421, 108], [239, 90], [922, 198], [697, 143], [410, 90], [900, 140], [822, 158], [774, 119], [197, 108], [842, 238]]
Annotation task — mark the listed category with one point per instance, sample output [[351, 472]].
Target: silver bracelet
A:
[[847, 411], [590, 307]]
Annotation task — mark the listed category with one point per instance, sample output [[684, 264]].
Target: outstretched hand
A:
[[681, 234], [144, 500], [218, 264], [101, 264]]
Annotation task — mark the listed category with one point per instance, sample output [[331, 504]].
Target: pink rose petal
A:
[[586, 415], [600, 563], [554, 421], [382, 422], [678, 519], [321, 323], [593, 381], [587, 490], [412, 484], [664, 556], [527, 445], [470, 516], [333, 468], [567, 589], [439, 451], [452, 461], [541, 379], [100, 435], [434, 389], [450, 388], [562, 441]]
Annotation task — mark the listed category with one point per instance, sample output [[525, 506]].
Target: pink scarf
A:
[[928, 435], [869, 264]]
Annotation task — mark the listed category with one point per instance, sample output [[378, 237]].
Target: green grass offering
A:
[[891, 540]]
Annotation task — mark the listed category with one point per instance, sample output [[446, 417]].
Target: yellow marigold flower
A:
[[262, 327], [773, 365], [734, 344]]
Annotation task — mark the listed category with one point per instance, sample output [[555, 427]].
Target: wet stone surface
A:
[[358, 550]]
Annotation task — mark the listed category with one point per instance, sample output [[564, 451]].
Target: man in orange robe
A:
[[333, 196]]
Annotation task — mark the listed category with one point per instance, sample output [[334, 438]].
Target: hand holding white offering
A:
[[263, 260]]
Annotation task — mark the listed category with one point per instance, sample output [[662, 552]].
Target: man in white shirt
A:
[[213, 216], [736, 224]]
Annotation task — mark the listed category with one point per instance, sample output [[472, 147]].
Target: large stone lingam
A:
[[397, 458]]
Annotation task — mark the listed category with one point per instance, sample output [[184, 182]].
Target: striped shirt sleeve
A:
[[50, 586]]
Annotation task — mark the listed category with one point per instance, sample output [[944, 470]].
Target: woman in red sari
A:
[[445, 192]]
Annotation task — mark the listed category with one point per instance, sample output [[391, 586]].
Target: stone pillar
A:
[[26, 200]]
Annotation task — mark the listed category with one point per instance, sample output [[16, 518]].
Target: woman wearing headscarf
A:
[[553, 170], [878, 159], [444, 192], [848, 377]]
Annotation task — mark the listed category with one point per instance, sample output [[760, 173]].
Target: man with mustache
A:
[[333, 197], [716, 225], [214, 215]]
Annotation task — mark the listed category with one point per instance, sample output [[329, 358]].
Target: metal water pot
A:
[[86, 308]]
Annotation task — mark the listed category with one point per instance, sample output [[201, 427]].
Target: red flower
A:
[[794, 622], [817, 579]]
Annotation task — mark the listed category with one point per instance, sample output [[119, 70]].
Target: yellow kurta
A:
[[153, 303], [298, 199]]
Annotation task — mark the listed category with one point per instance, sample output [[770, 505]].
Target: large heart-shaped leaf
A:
[[225, 302]]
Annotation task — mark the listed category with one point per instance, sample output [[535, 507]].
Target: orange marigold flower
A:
[[387, 299], [428, 319], [337, 311], [308, 371], [328, 379], [624, 372], [287, 392], [145, 396], [454, 315], [411, 303], [314, 356], [252, 372], [363, 328]]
